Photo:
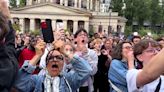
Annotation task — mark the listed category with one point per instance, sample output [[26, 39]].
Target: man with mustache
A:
[[53, 80]]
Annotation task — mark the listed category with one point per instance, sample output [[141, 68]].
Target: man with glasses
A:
[[53, 80]]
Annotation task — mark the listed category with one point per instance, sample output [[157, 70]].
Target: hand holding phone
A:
[[60, 26], [47, 32], [60, 30]]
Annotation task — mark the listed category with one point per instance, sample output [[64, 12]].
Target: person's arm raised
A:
[[39, 49], [152, 70], [130, 58]]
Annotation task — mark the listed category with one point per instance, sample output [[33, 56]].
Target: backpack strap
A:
[[114, 87], [158, 86], [70, 89]]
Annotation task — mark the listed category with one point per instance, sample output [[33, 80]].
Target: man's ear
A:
[[139, 57]]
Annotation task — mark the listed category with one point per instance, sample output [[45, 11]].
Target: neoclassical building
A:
[[88, 14]]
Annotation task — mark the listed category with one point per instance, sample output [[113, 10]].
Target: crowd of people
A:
[[78, 62]]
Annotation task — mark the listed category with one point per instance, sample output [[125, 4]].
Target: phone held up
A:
[[59, 26], [47, 31]]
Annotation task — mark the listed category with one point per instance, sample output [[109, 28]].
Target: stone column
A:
[[47, 1], [65, 24], [61, 2], [79, 3], [66, 3], [91, 4], [86, 26], [29, 2], [96, 7], [123, 28], [43, 1], [53, 24], [39, 1], [52, 1], [32, 24], [75, 3], [75, 26], [22, 24], [114, 27], [88, 4]]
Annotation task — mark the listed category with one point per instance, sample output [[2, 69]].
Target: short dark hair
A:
[[79, 31], [4, 28], [159, 39], [117, 51], [139, 37]]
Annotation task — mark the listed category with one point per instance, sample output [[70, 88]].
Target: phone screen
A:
[[60, 26]]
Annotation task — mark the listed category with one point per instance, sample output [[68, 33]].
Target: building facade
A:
[[89, 14]]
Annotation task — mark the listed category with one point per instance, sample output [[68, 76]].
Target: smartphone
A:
[[47, 32], [59, 26]]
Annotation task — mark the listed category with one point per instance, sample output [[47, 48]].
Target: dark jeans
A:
[[101, 83]]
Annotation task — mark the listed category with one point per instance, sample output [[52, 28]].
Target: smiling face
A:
[[55, 63]]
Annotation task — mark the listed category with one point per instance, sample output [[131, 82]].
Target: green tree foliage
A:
[[141, 11], [16, 27], [13, 3], [129, 11], [156, 13], [22, 3], [117, 6]]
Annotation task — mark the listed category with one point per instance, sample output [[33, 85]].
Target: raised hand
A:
[[39, 48], [130, 58], [59, 35], [58, 44]]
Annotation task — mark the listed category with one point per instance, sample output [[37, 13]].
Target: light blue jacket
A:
[[117, 74], [26, 82]]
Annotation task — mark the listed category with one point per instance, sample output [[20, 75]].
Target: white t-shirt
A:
[[150, 87]]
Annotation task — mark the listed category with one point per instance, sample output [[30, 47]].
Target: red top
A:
[[26, 54]]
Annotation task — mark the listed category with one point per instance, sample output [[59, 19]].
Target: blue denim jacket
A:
[[26, 82], [117, 74]]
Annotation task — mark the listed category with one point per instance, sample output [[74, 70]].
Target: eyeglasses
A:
[[128, 47], [152, 50], [56, 58]]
